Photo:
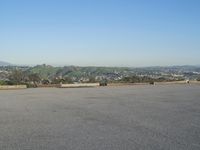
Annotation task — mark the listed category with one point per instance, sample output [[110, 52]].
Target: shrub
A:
[[151, 82], [2, 82]]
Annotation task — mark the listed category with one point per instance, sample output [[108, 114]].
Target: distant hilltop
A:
[[2, 63], [74, 74]]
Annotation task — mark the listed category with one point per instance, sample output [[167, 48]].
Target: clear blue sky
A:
[[100, 32]]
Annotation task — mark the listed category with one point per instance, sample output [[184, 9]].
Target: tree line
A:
[[17, 77]]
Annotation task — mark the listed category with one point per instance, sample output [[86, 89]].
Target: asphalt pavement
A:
[[160, 117]]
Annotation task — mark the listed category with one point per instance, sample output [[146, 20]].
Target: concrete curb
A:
[[11, 87]]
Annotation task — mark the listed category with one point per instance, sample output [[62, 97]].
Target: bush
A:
[[45, 82], [92, 79], [2, 83], [151, 82], [103, 83], [29, 85], [10, 83]]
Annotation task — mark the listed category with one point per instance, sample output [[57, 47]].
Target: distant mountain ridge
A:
[[3, 63], [80, 74], [115, 73], [47, 71]]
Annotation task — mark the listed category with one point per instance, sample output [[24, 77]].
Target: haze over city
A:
[[100, 33]]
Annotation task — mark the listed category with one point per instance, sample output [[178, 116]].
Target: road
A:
[[147, 117]]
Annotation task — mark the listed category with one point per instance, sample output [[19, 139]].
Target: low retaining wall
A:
[[49, 86], [10, 87], [126, 84], [79, 85], [155, 83], [178, 82], [195, 82], [172, 82]]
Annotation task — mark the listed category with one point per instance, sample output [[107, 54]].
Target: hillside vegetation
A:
[[46, 74]]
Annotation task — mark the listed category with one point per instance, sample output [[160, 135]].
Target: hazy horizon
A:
[[100, 33], [67, 65]]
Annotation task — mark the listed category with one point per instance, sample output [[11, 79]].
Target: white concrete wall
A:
[[7, 87], [79, 85]]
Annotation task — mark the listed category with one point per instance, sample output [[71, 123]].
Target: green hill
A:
[[45, 71]]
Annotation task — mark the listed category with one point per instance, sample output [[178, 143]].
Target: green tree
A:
[[35, 78], [45, 81], [92, 79], [68, 80], [198, 78], [17, 77], [57, 80]]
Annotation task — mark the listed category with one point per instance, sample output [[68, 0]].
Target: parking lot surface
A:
[[160, 117]]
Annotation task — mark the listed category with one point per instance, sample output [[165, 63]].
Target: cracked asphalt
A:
[[160, 117]]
